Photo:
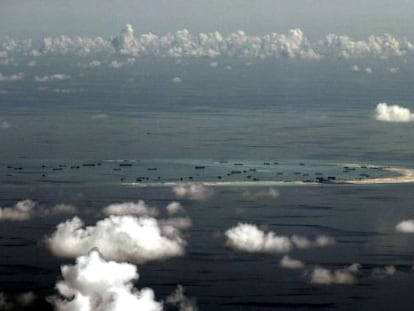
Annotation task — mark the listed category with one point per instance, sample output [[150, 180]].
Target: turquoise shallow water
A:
[[159, 172]]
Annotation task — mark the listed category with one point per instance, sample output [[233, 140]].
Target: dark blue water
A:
[[360, 218], [317, 113]]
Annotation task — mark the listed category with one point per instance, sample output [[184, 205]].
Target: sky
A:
[[39, 18]]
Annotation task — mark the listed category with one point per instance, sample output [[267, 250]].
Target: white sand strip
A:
[[239, 183], [406, 175]]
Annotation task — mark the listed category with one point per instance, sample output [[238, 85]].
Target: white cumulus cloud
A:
[[120, 238], [324, 276], [64, 45], [384, 272], [31, 63], [54, 77], [181, 223], [27, 209], [59, 209], [393, 113], [174, 208], [176, 80], [11, 78], [5, 125], [23, 210], [271, 193], [131, 208], [320, 241], [92, 64], [249, 238], [405, 226], [193, 191], [294, 45], [116, 64], [180, 301], [290, 263], [384, 46], [95, 284], [393, 69]]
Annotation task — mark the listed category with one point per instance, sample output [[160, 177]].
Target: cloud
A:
[[290, 263], [5, 125], [320, 241], [181, 223], [384, 46], [54, 77], [125, 41], [193, 191], [31, 63], [174, 208], [95, 284], [292, 45], [238, 44], [92, 64], [176, 80], [11, 78], [116, 64], [8, 61], [178, 300], [60, 209], [120, 238], [393, 69], [249, 238], [16, 302], [393, 113], [271, 193], [99, 116], [27, 209], [131, 208], [384, 272], [23, 210], [64, 45], [405, 226], [324, 276], [356, 68], [63, 91]]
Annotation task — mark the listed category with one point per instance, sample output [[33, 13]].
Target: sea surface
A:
[[285, 120]]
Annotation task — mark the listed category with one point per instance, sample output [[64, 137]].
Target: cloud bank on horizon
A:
[[182, 43]]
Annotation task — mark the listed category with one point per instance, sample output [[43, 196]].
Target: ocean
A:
[[111, 135]]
